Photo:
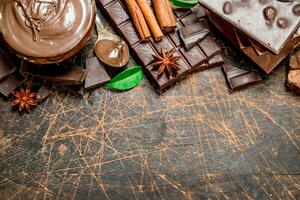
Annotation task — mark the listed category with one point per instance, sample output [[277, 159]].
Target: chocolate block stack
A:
[[201, 55], [263, 30]]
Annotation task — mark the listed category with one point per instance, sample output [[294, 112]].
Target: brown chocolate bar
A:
[[55, 73], [6, 67], [10, 83], [194, 59], [240, 78], [263, 57]]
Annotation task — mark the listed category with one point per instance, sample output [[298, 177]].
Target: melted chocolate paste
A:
[[47, 28]]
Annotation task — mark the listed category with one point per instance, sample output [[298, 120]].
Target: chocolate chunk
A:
[[6, 67], [77, 90], [71, 76], [227, 8], [194, 56], [216, 61], [282, 23], [10, 83], [165, 44], [240, 78], [192, 34], [293, 82], [296, 9], [295, 60], [209, 47], [129, 33], [43, 94], [189, 19], [144, 53], [198, 11], [96, 74]]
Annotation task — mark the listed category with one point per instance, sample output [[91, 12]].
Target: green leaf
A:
[[126, 80], [184, 3]]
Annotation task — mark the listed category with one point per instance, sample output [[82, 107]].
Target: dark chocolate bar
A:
[[190, 60], [96, 74], [71, 76], [10, 83], [6, 67], [240, 78]]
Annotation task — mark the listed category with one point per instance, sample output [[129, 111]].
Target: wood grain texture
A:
[[196, 141]]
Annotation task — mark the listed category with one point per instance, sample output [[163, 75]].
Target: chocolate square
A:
[[165, 44], [144, 53], [129, 33], [209, 46], [117, 13], [194, 56]]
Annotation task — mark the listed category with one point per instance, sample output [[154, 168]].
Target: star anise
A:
[[166, 62], [24, 99]]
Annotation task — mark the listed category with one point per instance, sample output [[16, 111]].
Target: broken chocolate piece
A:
[[192, 34], [6, 67], [10, 83], [295, 60], [240, 78], [293, 82], [43, 94], [71, 76], [96, 74]]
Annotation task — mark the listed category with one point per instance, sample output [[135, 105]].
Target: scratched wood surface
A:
[[196, 141]]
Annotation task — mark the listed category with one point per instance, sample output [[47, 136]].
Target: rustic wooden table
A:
[[196, 141]]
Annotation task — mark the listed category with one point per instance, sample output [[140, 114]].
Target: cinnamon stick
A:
[[138, 20], [164, 14], [150, 19]]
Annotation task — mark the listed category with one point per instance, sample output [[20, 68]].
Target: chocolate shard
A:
[[96, 74], [71, 76], [293, 82], [6, 67], [295, 60], [240, 78], [10, 83], [43, 94], [190, 35]]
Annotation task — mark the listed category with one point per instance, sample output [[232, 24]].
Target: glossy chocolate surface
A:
[[46, 30], [270, 23], [112, 53]]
